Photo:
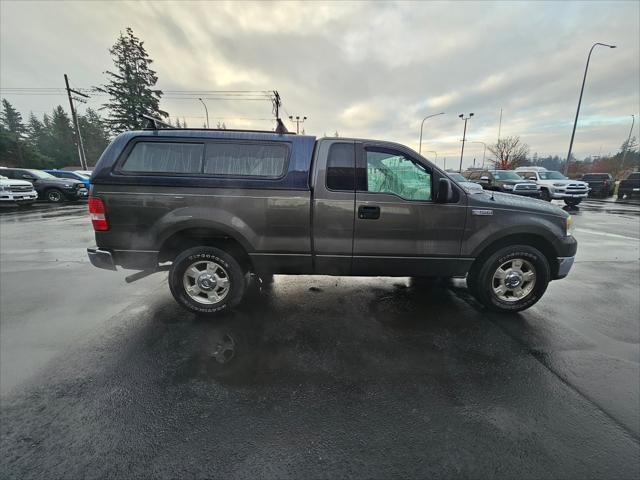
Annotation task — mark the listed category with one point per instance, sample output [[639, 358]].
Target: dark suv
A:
[[601, 184], [506, 181], [48, 187]]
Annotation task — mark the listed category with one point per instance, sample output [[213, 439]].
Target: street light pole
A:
[[205, 110], [626, 147], [575, 122], [433, 151], [464, 136], [483, 152], [422, 126], [298, 121]]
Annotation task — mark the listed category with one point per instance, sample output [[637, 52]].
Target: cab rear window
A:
[[164, 157]]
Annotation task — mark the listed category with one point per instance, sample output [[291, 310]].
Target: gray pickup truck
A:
[[213, 206]]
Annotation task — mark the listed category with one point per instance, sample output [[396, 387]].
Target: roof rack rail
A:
[[154, 123], [157, 124]]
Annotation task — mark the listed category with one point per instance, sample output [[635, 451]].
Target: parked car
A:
[[630, 186], [48, 187], [471, 187], [600, 184], [68, 174], [19, 192], [221, 204], [554, 185], [506, 181]]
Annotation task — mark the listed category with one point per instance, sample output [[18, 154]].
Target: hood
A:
[[565, 182], [71, 181], [508, 201], [17, 183]]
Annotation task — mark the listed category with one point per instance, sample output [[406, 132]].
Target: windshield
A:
[[550, 175], [506, 175], [40, 174], [457, 177]]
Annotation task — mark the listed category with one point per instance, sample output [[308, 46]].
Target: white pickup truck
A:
[[17, 191], [555, 186]]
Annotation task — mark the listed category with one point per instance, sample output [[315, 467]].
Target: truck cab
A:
[[215, 205]]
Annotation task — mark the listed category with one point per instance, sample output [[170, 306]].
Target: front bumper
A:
[[525, 193], [561, 195], [18, 196], [564, 265], [77, 194], [101, 258]]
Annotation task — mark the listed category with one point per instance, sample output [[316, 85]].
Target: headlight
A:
[[558, 184], [508, 187], [67, 185], [569, 226], [4, 188]]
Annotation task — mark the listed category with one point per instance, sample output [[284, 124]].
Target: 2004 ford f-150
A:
[[220, 204]]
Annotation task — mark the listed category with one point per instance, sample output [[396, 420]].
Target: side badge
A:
[[482, 212]]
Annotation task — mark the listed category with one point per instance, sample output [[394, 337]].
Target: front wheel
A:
[[572, 202], [54, 195], [511, 279], [545, 195], [206, 280]]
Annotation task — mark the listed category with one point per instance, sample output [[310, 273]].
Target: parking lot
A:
[[318, 377]]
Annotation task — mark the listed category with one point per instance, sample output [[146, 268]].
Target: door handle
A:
[[368, 213]]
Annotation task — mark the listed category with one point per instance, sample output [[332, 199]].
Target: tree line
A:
[[48, 141], [511, 152]]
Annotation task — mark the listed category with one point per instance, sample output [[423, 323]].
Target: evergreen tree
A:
[[58, 141], [94, 135], [12, 132], [131, 86]]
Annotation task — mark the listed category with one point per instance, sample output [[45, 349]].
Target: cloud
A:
[[370, 70]]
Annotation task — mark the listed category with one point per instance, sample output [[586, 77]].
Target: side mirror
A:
[[28, 177], [444, 190], [532, 178], [484, 178]]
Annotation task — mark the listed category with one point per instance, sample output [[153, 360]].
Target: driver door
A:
[[399, 228]]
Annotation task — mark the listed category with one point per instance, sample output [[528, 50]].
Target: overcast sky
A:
[[371, 70]]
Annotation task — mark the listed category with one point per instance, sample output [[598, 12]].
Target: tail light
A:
[[98, 214]]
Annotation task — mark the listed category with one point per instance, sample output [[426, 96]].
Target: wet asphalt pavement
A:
[[315, 377]]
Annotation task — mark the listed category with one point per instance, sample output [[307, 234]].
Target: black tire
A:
[[572, 202], [234, 273], [620, 196], [53, 195], [481, 278], [545, 195]]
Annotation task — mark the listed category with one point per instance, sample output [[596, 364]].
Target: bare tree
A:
[[509, 152]]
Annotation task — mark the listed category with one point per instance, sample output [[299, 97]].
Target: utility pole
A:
[[464, 136], [500, 125], [445, 164], [79, 144], [626, 147], [298, 121], [277, 103]]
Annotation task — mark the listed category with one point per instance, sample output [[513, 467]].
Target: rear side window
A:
[[341, 167], [164, 157], [245, 160], [634, 176]]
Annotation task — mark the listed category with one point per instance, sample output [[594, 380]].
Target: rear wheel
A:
[[511, 279], [206, 280], [572, 202]]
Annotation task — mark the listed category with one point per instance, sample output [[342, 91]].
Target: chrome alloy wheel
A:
[[206, 282], [514, 280]]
